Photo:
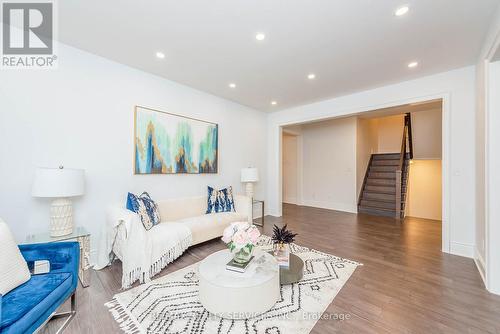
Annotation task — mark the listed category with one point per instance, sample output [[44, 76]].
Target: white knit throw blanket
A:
[[145, 253]]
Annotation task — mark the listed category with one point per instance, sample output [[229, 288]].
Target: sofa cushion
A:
[[33, 297], [220, 200], [13, 268], [211, 225]]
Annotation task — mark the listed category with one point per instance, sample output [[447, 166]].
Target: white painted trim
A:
[[280, 178], [486, 174], [445, 175], [460, 249], [446, 172], [300, 170], [290, 200], [480, 264], [491, 284]]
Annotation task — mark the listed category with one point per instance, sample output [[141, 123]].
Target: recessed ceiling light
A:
[[413, 64], [274, 103], [311, 76], [232, 85], [260, 36], [160, 55], [401, 11]]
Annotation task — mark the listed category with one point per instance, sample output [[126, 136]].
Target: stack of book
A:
[[283, 256], [238, 267]]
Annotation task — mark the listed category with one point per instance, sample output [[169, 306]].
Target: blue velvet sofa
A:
[[29, 306]]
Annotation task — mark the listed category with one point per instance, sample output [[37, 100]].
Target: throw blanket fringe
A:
[[144, 276], [123, 317]]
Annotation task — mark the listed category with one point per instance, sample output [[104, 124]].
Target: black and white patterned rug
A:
[[170, 303]]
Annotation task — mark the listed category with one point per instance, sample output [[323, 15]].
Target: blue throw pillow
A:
[[220, 200], [146, 208]]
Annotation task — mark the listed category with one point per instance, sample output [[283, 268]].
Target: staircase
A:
[[378, 195], [384, 188]]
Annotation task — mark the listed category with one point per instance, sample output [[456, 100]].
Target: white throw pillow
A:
[[13, 267]]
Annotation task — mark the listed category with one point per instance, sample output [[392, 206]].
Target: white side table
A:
[[79, 234], [234, 295]]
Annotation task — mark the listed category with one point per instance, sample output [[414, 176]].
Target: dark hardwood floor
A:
[[407, 285]]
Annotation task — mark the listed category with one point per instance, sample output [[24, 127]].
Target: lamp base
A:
[[249, 190], [61, 217]]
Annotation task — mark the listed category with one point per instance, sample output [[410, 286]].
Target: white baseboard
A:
[[331, 206], [290, 200], [460, 249], [481, 265]]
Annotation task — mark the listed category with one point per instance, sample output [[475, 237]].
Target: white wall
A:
[[81, 115], [424, 189], [329, 164], [366, 145], [390, 133], [487, 251], [457, 90], [427, 134], [290, 169]]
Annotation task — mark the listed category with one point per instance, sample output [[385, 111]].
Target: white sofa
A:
[[204, 227], [183, 223]]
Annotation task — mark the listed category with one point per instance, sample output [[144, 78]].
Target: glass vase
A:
[[243, 255]]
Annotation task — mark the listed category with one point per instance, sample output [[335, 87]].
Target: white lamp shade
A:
[[58, 182], [250, 174]]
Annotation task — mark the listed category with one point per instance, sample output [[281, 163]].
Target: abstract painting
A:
[[171, 144]]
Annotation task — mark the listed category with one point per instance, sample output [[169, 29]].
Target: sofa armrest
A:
[[116, 216], [64, 257], [243, 205]]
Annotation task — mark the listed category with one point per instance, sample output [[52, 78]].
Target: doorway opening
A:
[[351, 163]]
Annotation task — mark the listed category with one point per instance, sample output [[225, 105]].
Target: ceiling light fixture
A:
[[260, 36], [274, 103], [401, 11], [232, 85], [160, 55], [413, 64], [311, 76]]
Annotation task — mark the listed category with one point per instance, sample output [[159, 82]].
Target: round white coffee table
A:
[[234, 295]]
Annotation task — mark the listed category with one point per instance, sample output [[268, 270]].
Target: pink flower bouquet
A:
[[241, 238]]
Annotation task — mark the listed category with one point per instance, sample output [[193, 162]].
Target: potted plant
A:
[[281, 239], [241, 239]]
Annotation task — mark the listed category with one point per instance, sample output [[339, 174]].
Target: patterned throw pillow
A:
[[13, 267], [220, 200], [146, 208]]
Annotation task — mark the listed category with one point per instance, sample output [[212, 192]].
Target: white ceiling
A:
[[351, 45]]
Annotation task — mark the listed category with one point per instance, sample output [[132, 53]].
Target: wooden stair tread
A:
[[380, 189], [386, 156], [378, 204], [378, 182], [377, 197], [385, 168], [382, 175], [385, 162], [375, 208]]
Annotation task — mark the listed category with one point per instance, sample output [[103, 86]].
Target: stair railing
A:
[[406, 145]]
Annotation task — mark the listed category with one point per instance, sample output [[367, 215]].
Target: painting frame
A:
[[213, 167]]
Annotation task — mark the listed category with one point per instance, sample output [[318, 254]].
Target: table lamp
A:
[[59, 183], [249, 175]]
